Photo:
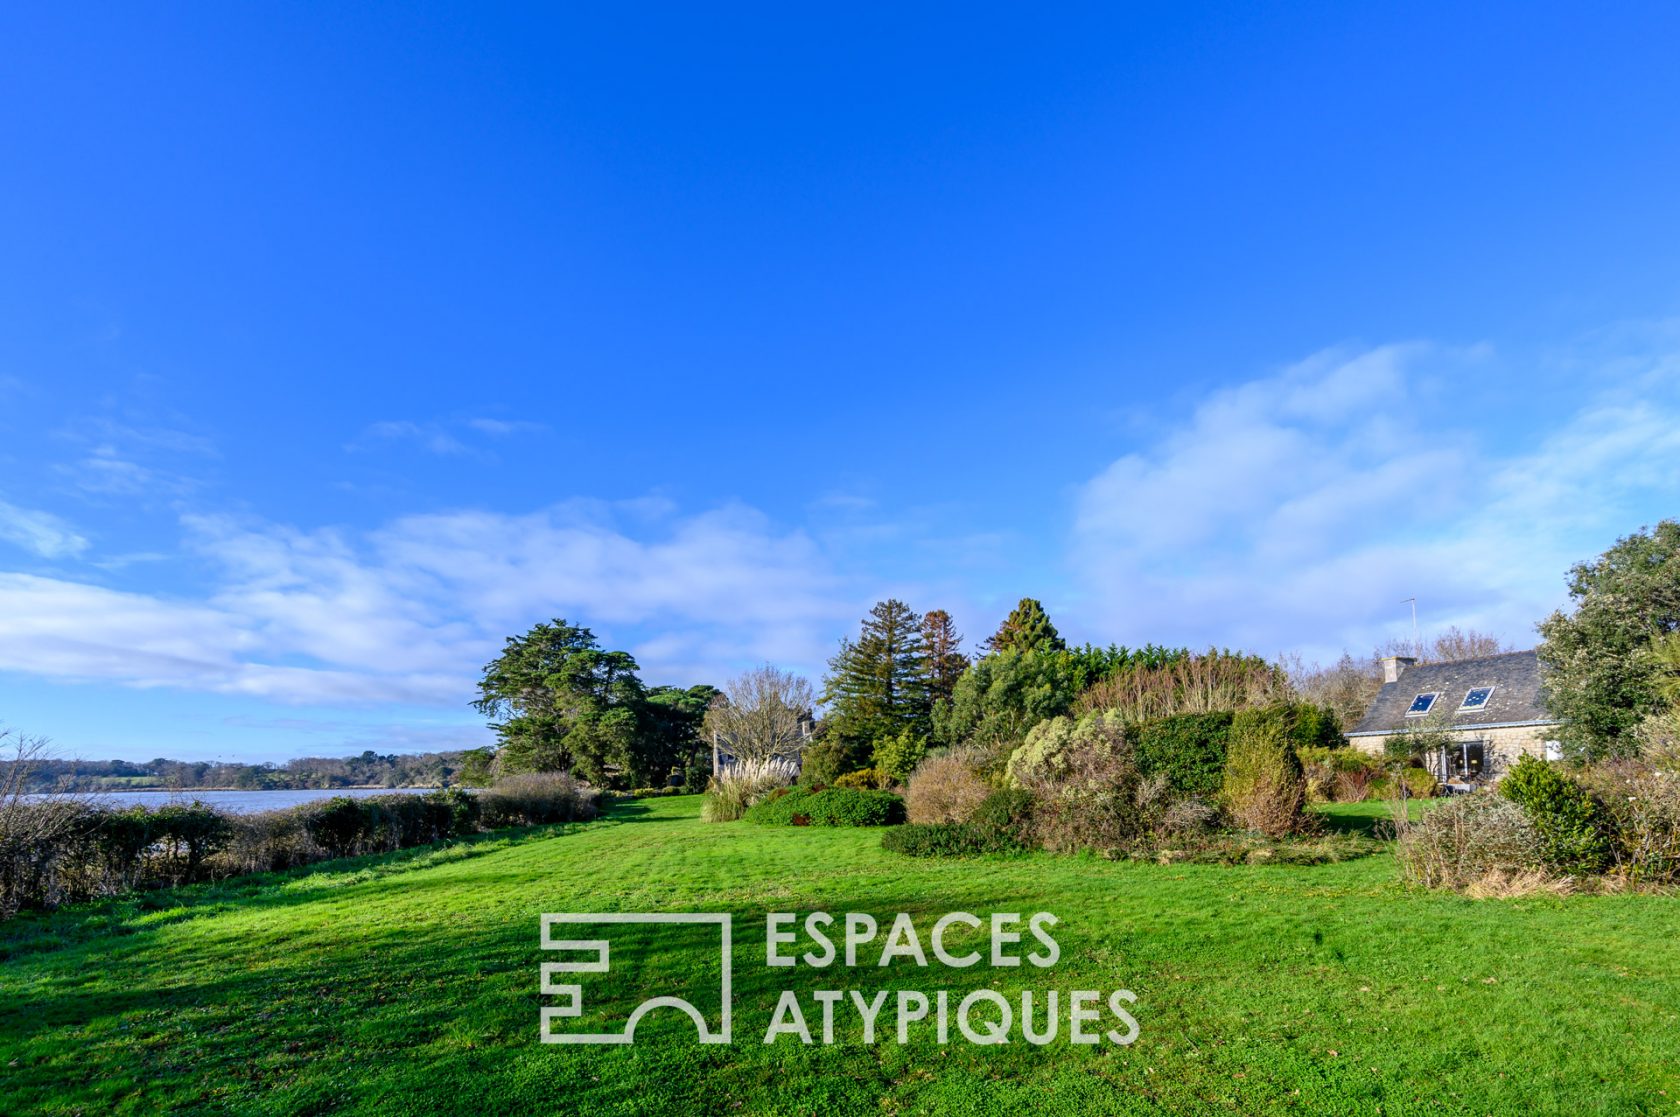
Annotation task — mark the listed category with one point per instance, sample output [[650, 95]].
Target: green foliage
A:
[[1002, 823], [1420, 783], [863, 778], [1188, 748], [1008, 812], [942, 644], [1003, 695], [896, 757], [1603, 680], [1045, 756], [877, 685], [1264, 788], [833, 806], [671, 741], [1575, 830], [560, 703], [1027, 628], [831, 757]]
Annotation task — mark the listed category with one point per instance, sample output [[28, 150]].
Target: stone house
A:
[[1492, 708]]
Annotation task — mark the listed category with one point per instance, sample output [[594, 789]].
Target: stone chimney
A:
[[1395, 665]]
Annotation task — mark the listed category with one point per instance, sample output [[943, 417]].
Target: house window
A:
[[1476, 698], [1421, 704], [1464, 760]]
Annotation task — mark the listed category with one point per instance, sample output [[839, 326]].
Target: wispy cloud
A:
[[40, 533], [408, 612], [1296, 510], [446, 438]]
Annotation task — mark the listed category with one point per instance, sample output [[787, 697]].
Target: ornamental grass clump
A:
[[741, 785]]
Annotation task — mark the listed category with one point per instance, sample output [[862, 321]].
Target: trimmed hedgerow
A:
[[1002, 823], [833, 806], [1189, 749]]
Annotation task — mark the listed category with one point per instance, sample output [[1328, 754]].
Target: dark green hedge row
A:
[[1191, 748], [833, 806], [1002, 823]]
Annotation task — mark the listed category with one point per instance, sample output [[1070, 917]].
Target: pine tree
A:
[[877, 685], [945, 663], [1027, 628]]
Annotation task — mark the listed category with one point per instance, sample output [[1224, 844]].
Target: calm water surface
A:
[[245, 802]]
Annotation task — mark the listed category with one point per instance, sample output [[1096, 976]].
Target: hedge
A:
[[833, 806]]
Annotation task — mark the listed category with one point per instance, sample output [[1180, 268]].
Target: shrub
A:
[[1212, 682], [1469, 839], [833, 806], [1188, 748], [1643, 803], [658, 792], [896, 757], [1008, 813], [1264, 789], [1420, 783], [831, 757], [1054, 747], [1575, 830], [862, 779], [536, 798], [947, 839], [944, 789], [741, 785]]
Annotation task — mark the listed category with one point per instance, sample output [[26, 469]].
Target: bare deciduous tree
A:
[[762, 715]]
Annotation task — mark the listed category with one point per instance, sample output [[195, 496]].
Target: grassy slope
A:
[[407, 984]]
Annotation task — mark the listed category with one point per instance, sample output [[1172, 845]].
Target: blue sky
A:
[[339, 344]]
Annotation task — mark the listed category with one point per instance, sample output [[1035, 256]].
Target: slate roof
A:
[[1518, 698]]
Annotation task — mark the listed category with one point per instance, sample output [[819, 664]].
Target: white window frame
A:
[[1432, 695], [1464, 709]]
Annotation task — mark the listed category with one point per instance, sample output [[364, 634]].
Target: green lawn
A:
[[408, 984]]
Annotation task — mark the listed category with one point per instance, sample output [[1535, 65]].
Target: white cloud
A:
[[429, 436], [409, 612], [1297, 510], [40, 533]]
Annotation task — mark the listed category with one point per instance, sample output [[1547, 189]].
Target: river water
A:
[[243, 802]]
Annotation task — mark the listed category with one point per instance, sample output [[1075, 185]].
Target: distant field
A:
[[407, 984]]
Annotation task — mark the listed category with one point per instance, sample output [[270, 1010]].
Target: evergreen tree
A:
[[877, 685], [1026, 629], [945, 663], [1603, 679], [561, 703]]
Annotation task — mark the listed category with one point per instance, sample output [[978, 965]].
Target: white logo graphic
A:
[[600, 962]]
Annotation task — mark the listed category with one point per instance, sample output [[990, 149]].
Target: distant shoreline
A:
[[253, 790]]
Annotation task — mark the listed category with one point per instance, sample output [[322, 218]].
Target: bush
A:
[[831, 757], [1643, 803], [1420, 783], [864, 779], [944, 789], [896, 757], [1008, 813], [741, 785], [947, 839], [1188, 748], [1054, 748], [658, 792], [1469, 839], [1264, 788], [1575, 830], [833, 806], [536, 798]]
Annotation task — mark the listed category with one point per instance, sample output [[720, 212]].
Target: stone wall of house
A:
[[1503, 746]]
